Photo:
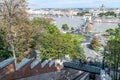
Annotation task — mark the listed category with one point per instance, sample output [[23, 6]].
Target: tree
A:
[[101, 14], [41, 28], [4, 52], [78, 50], [82, 13], [65, 27], [113, 57], [113, 47], [109, 13], [110, 31], [53, 44], [16, 27], [43, 35], [95, 44], [72, 28]]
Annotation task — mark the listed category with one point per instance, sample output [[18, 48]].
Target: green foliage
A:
[[109, 13], [113, 47], [42, 30], [101, 14], [40, 22], [53, 44], [77, 47], [4, 53], [118, 25], [52, 29], [72, 28], [95, 44], [65, 27], [82, 13], [2, 39], [54, 47], [110, 31], [45, 37], [15, 24]]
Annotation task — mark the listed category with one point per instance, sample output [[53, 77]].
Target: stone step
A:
[[6, 62], [23, 63], [35, 63]]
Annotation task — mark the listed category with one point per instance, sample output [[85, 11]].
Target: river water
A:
[[77, 22]]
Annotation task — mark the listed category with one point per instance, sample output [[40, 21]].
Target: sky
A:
[[73, 3]]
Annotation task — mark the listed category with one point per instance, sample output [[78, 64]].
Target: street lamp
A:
[[103, 61], [59, 55]]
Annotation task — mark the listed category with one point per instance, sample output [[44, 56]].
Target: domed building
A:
[[102, 8]]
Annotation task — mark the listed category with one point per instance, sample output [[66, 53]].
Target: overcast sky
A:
[[73, 3]]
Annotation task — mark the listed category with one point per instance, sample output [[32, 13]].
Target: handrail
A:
[[80, 76]]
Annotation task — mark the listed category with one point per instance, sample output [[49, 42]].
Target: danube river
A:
[[77, 22]]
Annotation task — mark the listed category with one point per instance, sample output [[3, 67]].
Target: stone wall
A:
[[27, 68]]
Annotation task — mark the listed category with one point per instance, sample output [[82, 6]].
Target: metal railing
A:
[[81, 76]]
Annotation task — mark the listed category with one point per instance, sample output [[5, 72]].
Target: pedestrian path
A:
[[83, 67]]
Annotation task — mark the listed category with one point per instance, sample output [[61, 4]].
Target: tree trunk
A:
[[13, 52], [11, 44]]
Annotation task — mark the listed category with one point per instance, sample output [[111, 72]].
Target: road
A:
[[89, 53]]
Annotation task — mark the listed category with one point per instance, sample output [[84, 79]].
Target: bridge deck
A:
[[107, 22]]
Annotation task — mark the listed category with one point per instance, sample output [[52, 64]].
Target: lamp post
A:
[[59, 55], [103, 61]]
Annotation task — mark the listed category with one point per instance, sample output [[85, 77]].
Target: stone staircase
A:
[[26, 68]]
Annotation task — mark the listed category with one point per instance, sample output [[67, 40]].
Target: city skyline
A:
[[73, 3]]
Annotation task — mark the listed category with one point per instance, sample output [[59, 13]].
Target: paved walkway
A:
[[84, 67], [69, 74]]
